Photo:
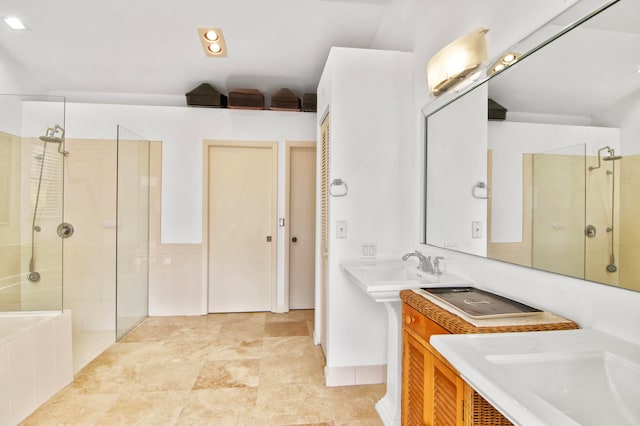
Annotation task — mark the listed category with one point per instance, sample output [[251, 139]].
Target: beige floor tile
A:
[[149, 334], [238, 373], [217, 406], [241, 329], [146, 408], [282, 404], [236, 347], [179, 321], [276, 347], [354, 403], [69, 407], [218, 369], [176, 352], [101, 379], [288, 370], [286, 328], [133, 353], [166, 376], [194, 333]]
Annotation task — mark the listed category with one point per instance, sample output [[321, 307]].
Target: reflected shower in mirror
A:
[[559, 161]]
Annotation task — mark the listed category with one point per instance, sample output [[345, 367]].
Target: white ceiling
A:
[[94, 49], [583, 73]]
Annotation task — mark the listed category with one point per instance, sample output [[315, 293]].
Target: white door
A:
[[302, 216], [241, 227]]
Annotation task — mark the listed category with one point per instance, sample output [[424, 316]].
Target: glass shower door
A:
[[558, 213], [132, 235]]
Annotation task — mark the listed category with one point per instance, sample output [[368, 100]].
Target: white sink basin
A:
[[576, 377], [384, 279]]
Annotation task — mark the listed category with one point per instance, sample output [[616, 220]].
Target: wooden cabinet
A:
[[433, 393]]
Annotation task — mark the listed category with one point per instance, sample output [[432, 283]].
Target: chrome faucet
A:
[[425, 261], [436, 265]]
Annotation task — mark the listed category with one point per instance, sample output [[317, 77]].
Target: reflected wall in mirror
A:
[[554, 185]]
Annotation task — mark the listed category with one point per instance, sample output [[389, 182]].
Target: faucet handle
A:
[[436, 265]]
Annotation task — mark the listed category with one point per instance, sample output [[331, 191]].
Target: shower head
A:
[[612, 156], [51, 139], [55, 135]]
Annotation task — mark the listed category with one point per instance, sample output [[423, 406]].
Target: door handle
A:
[[268, 238], [294, 239]]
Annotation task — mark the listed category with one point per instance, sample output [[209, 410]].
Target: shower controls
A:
[[65, 230], [590, 231]]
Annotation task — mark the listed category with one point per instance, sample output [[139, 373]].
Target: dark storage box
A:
[[285, 100], [309, 101], [206, 95], [246, 99], [496, 111]]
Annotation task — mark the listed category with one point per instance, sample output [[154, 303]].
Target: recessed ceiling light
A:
[[212, 41], [214, 48], [211, 35], [509, 57], [15, 23]]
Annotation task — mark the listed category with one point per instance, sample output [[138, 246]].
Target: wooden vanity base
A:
[[433, 393]]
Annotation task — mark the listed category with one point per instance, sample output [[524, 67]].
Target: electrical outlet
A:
[[368, 250]]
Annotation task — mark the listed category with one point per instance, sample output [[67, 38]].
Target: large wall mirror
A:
[[539, 164]]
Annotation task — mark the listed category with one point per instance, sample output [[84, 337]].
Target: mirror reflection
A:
[[545, 170]]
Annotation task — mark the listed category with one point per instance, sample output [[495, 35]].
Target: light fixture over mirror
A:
[[454, 63]]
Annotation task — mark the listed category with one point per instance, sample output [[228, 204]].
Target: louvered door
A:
[[324, 230]]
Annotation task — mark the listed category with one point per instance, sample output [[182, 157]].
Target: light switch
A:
[[476, 230], [341, 229]]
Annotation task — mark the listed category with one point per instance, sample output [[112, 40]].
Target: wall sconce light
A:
[[505, 61], [212, 42], [455, 62]]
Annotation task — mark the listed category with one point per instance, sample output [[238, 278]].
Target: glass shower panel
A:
[[558, 212], [132, 235], [32, 154]]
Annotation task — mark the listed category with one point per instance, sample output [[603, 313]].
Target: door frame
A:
[[287, 208], [207, 144]]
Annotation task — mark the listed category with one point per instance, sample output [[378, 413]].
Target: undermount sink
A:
[[574, 377]]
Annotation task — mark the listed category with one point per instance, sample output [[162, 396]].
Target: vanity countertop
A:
[[562, 378], [456, 322]]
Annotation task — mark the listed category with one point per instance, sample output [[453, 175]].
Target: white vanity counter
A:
[[569, 377]]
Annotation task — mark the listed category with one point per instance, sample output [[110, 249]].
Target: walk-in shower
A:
[[53, 135], [590, 232]]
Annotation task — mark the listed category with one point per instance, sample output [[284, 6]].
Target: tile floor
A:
[[219, 369]]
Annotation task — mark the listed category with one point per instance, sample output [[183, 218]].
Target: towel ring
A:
[[338, 188]]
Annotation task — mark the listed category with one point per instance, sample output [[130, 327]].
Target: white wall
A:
[[458, 148], [182, 131], [369, 95], [434, 25]]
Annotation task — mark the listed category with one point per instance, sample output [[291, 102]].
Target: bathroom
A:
[[179, 255]]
